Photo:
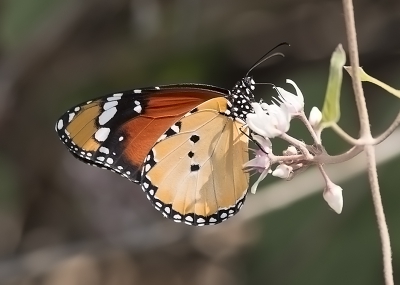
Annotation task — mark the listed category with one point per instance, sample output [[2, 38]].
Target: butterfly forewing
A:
[[117, 131]]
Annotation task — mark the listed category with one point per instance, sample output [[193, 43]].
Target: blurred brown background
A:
[[63, 222]]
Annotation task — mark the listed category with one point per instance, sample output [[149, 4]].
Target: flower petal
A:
[[260, 178], [294, 103], [257, 163], [264, 142], [298, 91]]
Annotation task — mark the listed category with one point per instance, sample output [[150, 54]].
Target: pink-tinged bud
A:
[[333, 196], [291, 150], [282, 171], [261, 163]]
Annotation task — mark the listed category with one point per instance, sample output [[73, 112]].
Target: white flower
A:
[[282, 171], [291, 150], [294, 103], [270, 121], [261, 163], [333, 196], [315, 117]]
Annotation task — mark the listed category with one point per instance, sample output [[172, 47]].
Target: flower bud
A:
[[333, 196], [282, 171], [291, 150], [315, 117]]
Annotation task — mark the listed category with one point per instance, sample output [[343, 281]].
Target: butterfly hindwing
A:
[[194, 172]]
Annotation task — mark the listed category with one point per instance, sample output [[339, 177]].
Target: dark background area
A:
[[63, 222]]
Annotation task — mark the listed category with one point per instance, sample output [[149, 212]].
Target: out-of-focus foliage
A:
[[331, 106], [63, 222]]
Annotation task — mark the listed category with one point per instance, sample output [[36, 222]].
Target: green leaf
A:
[[331, 108], [365, 77]]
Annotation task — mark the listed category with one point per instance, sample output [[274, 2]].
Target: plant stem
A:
[[300, 145], [344, 135], [389, 131], [302, 116], [365, 133]]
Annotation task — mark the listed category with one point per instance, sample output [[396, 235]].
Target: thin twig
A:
[[297, 144], [389, 131], [302, 116], [365, 132], [344, 135], [332, 159]]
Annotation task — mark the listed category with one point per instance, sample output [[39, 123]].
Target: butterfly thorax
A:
[[240, 98]]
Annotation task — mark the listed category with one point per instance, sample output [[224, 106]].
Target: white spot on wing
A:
[[102, 134], [60, 124], [201, 220], [104, 150], [71, 116], [121, 138], [109, 105], [162, 137], [138, 109], [109, 160], [175, 128], [107, 115], [137, 91]]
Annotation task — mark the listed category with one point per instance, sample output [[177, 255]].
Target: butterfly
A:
[[185, 144]]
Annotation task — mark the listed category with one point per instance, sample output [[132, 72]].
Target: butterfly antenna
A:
[[266, 83], [253, 140], [268, 56]]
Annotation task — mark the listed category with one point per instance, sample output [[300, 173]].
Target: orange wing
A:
[[194, 175], [117, 131]]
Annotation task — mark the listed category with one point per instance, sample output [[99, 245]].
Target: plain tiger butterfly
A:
[[185, 145]]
